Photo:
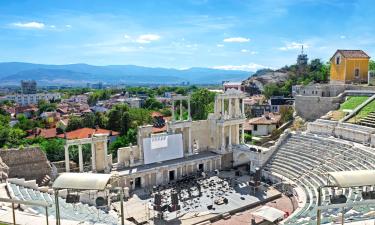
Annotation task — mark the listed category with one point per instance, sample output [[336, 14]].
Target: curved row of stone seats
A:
[[76, 212], [306, 158], [347, 131]]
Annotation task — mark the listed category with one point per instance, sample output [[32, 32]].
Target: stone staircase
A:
[[368, 121]]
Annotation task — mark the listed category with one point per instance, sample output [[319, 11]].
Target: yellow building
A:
[[349, 66]]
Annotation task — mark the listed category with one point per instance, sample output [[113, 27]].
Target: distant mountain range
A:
[[11, 73]]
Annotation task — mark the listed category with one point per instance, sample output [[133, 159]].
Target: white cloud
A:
[[250, 52], [29, 25], [147, 38], [68, 26], [52, 26], [342, 36], [219, 45], [293, 45], [247, 67], [237, 39]]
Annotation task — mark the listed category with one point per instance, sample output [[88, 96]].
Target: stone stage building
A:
[[185, 148]]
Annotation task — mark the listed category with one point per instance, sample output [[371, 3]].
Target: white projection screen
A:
[[162, 147]]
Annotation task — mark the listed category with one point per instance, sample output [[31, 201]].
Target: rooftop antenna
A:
[[302, 50]]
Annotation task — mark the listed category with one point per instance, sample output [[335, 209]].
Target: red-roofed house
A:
[[264, 125], [40, 132], [88, 132]]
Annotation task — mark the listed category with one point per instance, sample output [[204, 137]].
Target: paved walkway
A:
[[284, 203]]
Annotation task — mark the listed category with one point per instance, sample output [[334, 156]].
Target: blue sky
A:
[[229, 34]]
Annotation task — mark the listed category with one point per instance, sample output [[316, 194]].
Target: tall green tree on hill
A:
[[202, 103]]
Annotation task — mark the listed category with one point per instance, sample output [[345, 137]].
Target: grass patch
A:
[[364, 112], [353, 102]]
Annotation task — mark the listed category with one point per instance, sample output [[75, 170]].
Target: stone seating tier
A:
[[306, 158]]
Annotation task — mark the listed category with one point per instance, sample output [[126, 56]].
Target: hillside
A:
[[75, 74], [280, 81], [266, 76]]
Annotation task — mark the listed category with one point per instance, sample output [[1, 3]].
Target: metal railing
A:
[[35, 203]]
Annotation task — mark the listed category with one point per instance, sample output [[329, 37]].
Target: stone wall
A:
[[313, 107], [28, 163], [345, 131], [4, 170], [227, 161], [124, 156], [328, 90], [202, 135]]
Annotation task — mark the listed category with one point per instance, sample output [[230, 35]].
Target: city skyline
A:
[[182, 34]]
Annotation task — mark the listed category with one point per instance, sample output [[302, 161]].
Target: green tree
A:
[[123, 141], [138, 117], [166, 112], [74, 123], [54, 149], [115, 115], [371, 65], [89, 120], [101, 120], [153, 104], [272, 90], [201, 104], [45, 106]]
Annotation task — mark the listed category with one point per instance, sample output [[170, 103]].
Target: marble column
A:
[[215, 106], [230, 108], [222, 139], [230, 137], [237, 134], [105, 143], [242, 134], [190, 150], [67, 166], [237, 107], [80, 158], [93, 157], [243, 108], [222, 108]]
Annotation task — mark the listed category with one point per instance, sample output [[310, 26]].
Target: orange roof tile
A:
[[86, 132], [156, 114], [46, 133], [266, 119]]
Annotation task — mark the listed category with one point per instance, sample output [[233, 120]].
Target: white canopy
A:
[[268, 213], [353, 178], [82, 181]]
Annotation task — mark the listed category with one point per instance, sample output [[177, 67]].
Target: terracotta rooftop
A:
[[85, 133], [46, 133], [269, 119], [352, 53], [156, 114]]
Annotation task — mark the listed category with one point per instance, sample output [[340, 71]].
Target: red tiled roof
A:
[[266, 120], [46, 133], [85, 133], [352, 53], [156, 114]]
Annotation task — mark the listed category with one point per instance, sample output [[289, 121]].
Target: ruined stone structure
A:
[[100, 160], [4, 170], [315, 100], [28, 163], [187, 147]]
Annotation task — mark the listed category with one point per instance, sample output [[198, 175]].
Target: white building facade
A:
[[32, 99]]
